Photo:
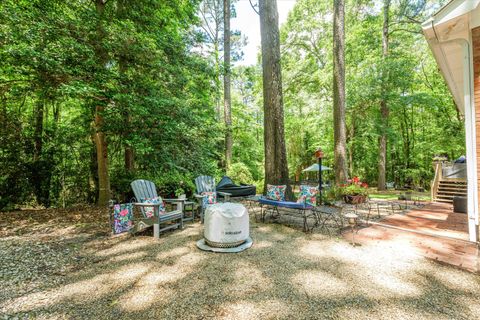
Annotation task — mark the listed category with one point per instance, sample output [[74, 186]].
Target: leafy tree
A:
[[421, 109], [89, 82], [339, 90], [276, 169], [227, 99]]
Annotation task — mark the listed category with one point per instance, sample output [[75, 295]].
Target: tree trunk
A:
[[351, 148], [99, 135], [226, 84], [382, 141], [92, 182], [128, 149], [217, 83], [276, 167], [40, 175], [102, 159], [129, 159], [339, 131], [38, 132], [123, 67]]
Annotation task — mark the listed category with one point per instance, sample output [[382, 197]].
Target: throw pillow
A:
[[210, 197], [276, 193], [308, 195], [148, 212], [122, 218]]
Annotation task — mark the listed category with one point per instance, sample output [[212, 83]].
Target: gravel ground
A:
[[62, 264]]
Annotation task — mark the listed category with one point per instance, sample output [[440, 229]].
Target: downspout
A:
[[470, 127]]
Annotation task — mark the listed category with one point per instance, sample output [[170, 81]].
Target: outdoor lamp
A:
[[352, 221], [319, 156]]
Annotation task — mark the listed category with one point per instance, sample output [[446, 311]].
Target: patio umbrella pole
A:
[[319, 156], [320, 180]]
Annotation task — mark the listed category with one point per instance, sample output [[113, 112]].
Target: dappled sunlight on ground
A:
[[129, 245], [286, 274], [264, 228], [187, 232], [319, 283], [388, 284], [128, 256], [261, 245], [454, 280], [249, 279], [149, 289], [80, 291], [245, 310], [172, 253]]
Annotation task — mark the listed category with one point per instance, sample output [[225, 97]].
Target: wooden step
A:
[[457, 193], [445, 196], [453, 187], [453, 183], [448, 189], [443, 200], [451, 191], [450, 195]]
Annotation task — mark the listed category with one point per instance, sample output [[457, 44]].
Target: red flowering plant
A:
[[354, 187]]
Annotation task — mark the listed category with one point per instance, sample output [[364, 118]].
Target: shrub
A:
[[240, 173], [174, 183], [354, 187], [332, 194]]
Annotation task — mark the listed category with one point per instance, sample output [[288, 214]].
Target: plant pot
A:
[[354, 199]]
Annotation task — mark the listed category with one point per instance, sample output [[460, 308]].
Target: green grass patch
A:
[[394, 194]]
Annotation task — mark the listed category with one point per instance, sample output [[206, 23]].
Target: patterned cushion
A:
[[210, 197], [148, 212], [122, 218], [308, 195], [276, 193]]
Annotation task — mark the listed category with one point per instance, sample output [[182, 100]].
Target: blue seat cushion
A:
[[284, 204]]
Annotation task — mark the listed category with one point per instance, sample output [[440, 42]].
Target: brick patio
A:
[[434, 232]]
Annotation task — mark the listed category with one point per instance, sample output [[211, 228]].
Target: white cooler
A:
[[226, 225]]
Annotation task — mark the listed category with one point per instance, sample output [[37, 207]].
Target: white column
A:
[[470, 140]]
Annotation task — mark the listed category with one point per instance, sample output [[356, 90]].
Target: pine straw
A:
[[63, 264]]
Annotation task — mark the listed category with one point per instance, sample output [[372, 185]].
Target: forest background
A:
[[95, 93]]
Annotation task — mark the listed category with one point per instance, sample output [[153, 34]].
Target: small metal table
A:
[[252, 201], [189, 206]]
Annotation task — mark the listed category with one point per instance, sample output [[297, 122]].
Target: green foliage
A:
[[247, 117], [353, 187], [354, 190], [59, 60], [332, 194], [161, 96], [240, 173], [174, 183], [423, 119]]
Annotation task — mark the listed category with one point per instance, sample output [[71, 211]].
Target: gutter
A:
[[442, 8]]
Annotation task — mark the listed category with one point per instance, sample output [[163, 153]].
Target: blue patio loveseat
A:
[[271, 206]]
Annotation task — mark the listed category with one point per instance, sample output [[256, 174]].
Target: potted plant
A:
[[180, 193], [354, 191]]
